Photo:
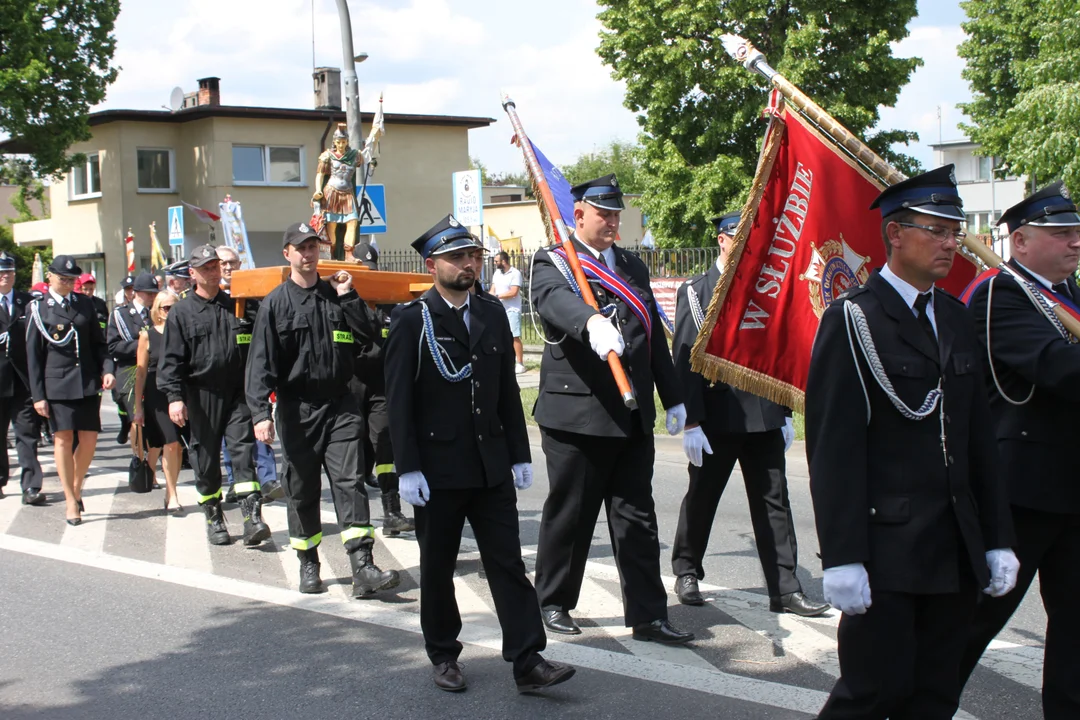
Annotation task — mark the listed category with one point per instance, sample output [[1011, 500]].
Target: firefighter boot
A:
[[394, 522], [216, 532], [310, 582], [255, 530], [367, 578]]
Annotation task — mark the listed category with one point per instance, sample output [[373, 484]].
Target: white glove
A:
[[413, 488], [847, 588], [693, 442], [789, 433], [1003, 569], [603, 337], [676, 419], [522, 476]]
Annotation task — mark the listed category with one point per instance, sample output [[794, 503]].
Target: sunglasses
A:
[[165, 308]]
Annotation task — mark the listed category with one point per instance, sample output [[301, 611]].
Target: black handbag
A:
[[140, 474]]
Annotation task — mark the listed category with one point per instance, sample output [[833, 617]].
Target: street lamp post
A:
[[352, 84]]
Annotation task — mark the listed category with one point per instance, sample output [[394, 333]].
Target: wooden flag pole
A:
[[563, 236]]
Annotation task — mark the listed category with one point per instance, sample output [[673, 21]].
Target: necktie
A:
[[4, 304], [924, 320], [143, 315], [1062, 289], [460, 312], [604, 262]]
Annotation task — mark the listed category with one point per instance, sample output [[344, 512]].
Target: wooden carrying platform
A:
[[376, 287]]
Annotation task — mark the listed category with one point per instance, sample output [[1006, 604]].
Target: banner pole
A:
[[563, 236]]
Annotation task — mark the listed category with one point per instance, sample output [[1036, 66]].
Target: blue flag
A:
[[560, 188]]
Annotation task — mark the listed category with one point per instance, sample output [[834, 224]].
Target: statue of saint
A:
[[337, 198]]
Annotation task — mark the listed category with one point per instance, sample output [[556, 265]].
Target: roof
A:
[[954, 143], [202, 112]]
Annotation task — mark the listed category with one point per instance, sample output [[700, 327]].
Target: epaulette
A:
[[488, 298], [410, 303], [851, 293], [945, 294]]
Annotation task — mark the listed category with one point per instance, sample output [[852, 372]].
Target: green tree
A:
[[24, 257], [621, 158], [699, 110], [477, 164], [1022, 57], [55, 64], [17, 171]]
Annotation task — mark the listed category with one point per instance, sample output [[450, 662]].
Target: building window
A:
[[85, 179], [268, 165], [155, 170]]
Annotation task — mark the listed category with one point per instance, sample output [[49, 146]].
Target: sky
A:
[[456, 57]]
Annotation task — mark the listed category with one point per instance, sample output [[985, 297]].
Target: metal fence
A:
[[662, 263]]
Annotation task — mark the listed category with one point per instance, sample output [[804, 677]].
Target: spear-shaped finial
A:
[[744, 52]]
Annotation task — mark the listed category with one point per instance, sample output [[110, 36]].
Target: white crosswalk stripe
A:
[[609, 646]]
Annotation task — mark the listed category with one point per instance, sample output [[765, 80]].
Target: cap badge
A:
[[1065, 193], [452, 221], [614, 182], [304, 228], [952, 176], [68, 265]]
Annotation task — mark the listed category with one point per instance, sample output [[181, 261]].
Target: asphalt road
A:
[[133, 615]]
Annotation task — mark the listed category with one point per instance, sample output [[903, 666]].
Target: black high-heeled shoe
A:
[[74, 522], [82, 508]]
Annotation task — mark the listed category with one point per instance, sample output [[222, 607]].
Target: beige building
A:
[[141, 162], [521, 219]]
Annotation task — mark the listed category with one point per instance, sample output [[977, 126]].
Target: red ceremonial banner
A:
[[807, 235]]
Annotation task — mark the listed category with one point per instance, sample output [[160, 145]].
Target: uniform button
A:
[[948, 419], [953, 499], [565, 387], [479, 437], [951, 462], [474, 358], [431, 434], [476, 384], [477, 411], [873, 511], [1023, 433]]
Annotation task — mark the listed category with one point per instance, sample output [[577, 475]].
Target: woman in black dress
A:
[[151, 405]]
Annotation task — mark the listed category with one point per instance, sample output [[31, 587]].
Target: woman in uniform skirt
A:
[[69, 365], [151, 405]]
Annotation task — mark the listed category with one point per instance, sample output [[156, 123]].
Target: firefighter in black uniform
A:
[[725, 426], [369, 384], [911, 516], [599, 452], [68, 365], [15, 405], [1035, 397], [201, 373], [122, 334], [462, 448], [304, 348]]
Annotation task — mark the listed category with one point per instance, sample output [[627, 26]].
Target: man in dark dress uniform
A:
[[201, 371], [122, 334], [1033, 374], [461, 447], [911, 515], [303, 348], [599, 452], [725, 426], [16, 407]]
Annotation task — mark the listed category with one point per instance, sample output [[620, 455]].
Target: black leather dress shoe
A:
[[661, 631], [559, 621], [449, 676], [686, 588], [543, 675], [798, 604], [33, 497]]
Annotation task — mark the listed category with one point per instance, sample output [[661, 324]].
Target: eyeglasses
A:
[[940, 234]]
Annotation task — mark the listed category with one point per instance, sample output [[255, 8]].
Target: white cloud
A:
[[937, 83]]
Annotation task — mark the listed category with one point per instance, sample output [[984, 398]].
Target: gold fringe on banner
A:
[[715, 368]]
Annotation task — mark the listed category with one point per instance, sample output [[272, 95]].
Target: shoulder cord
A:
[[538, 329], [438, 354], [989, 349], [62, 342], [695, 306], [853, 315], [121, 326]]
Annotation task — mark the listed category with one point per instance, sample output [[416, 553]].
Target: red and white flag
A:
[[205, 215], [806, 235]]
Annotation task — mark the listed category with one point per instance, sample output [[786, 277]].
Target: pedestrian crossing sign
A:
[[371, 209], [176, 225]]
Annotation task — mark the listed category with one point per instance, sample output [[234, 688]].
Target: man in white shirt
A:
[[506, 285]]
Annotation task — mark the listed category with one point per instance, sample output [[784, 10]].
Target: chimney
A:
[[209, 92], [327, 88]]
